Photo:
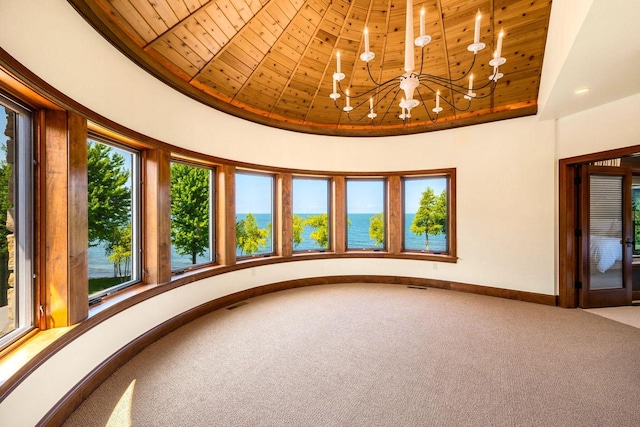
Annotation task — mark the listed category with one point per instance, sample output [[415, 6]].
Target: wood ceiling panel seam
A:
[[243, 10], [203, 19], [193, 42], [192, 5], [179, 23], [164, 10], [191, 62], [229, 10], [221, 20], [293, 71], [136, 32], [150, 15], [245, 28], [243, 66], [179, 9], [248, 28], [278, 16], [326, 67], [254, 5], [172, 60], [202, 35]]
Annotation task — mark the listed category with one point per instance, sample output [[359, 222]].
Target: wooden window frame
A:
[[329, 210], [276, 213], [213, 179], [450, 223], [136, 214], [385, 213]]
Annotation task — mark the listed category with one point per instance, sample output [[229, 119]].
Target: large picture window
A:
[[254, 214], [426, 214], [366, 219], [310, 214], [191, 216], [113, 204], [16, 219]]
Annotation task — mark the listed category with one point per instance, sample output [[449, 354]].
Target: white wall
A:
[[609, 126], [505, 189]]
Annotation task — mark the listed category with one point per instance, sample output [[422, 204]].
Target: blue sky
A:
[[310, 195], [3, 126], [414, 187], [365, 196], [254, 193]]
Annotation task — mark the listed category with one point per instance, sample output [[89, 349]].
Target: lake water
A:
[[357, 236]]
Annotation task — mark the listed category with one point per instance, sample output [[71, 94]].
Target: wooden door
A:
[[606, 230]]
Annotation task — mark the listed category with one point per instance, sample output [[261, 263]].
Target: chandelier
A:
[[420, 83]]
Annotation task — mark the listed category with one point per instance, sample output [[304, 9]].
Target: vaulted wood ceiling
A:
[[272, 61]]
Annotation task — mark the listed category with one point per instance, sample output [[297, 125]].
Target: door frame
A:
[[568, 208]]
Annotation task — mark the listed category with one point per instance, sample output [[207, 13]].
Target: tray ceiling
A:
[[272, 61]]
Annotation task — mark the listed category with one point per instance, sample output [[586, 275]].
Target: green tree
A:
[[298, 229], [109, 203], [249, 238], [431, 217], [376, 228], [190, 210], [5, 206], [320, 232], [121, 252]]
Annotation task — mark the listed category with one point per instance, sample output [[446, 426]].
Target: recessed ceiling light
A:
[[582, 90]]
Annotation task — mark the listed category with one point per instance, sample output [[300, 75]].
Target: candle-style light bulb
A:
[[348, 102], [334, 86], [422, 21], [476, 33], [438, 99], [470, 82], [338, 62], [499, 48], [371, 104], [366, 39]]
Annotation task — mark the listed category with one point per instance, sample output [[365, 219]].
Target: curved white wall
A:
[[505, 185]]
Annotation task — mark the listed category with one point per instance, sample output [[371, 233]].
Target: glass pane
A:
[[635, 206], [365, 214], [310, 214], [425, 214], [8, 314], [110, 208], [605, 232], [254, 214], [190, 216]]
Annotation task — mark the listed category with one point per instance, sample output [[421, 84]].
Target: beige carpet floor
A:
[[629, 315], [379, 355]]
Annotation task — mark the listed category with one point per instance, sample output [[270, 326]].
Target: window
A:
[[16, 204], [310, 214], [426, 214], [635, 205], [254, 214], [191, 216], [114, 228], [366, 214]]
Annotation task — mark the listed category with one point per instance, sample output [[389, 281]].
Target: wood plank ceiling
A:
[[272, 61]]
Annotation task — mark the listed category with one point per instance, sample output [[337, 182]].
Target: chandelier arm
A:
[[395, 96], [489, 83], [424, 104], [374, 80], [374, 89], [493, 88], [441, 81], [421, 61]]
